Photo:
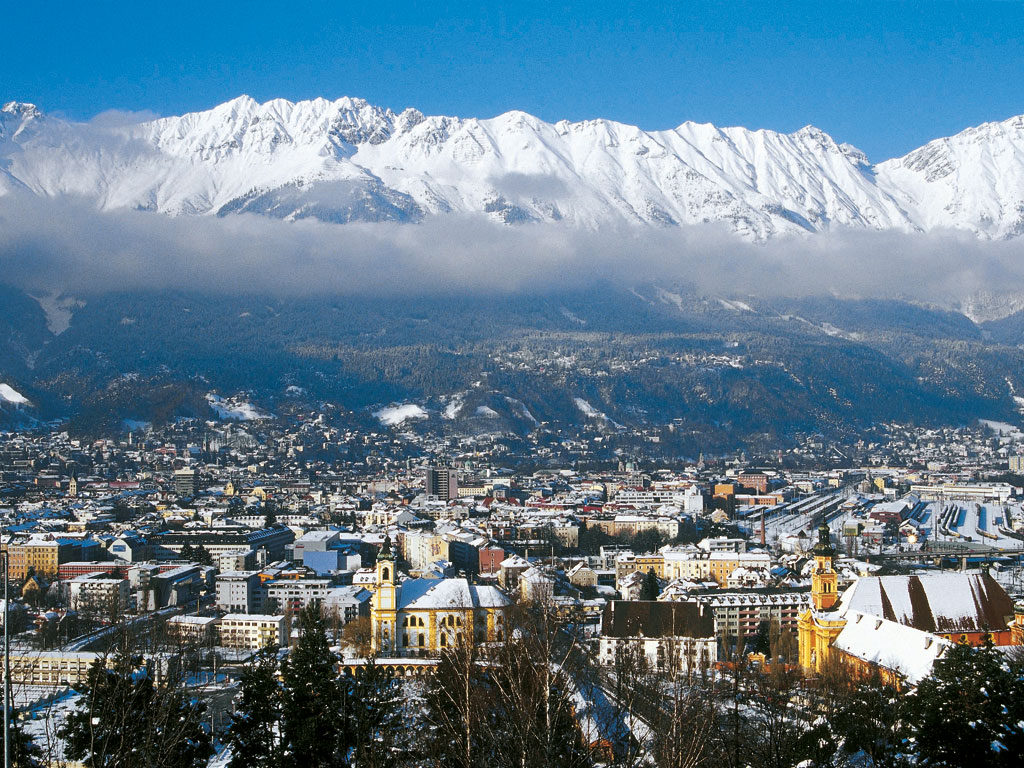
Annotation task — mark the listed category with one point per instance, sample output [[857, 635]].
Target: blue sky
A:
[[885, 76]]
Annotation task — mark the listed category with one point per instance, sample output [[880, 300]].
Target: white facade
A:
[[685, 654], [251, 631]]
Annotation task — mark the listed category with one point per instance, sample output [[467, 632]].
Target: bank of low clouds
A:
[[64, 245]]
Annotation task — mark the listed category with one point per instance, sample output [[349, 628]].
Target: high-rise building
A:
[[442, 482], [185, 482]]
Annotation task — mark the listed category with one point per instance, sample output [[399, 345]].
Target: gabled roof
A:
[[934, 602]]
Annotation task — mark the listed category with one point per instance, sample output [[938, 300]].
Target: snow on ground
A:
[[487, 413], [233, 408], [590, 411], [574, 318], [58, 309], [294, 391], [1004, 429], [43, 722], [735, 305], [523, 410], [10, 395], [393, 415], [454, 406], [136, 426]]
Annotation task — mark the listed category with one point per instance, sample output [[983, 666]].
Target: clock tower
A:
[[384, 605], [824, 580]]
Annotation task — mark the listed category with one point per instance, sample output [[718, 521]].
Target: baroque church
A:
[[899, 625], [424, 617]]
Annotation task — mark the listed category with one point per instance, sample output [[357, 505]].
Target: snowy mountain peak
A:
[[349, 160], [973, 180], [16, 113], [20, 109]]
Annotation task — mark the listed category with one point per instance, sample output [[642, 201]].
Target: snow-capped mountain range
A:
[[348, 160]]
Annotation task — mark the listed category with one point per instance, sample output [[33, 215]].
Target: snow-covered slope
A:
[[348, 160], [973, 181]]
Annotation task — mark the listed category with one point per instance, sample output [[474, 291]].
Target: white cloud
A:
[[67, 245]]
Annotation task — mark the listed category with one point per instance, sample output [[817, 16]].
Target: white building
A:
[[98, 592], [240, 591], [251, 631], [679, 636]]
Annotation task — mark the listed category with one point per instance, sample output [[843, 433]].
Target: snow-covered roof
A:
[[441, 594], [907, 651], [933, 602]]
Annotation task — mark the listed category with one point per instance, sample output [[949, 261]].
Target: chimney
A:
[[762, 528]]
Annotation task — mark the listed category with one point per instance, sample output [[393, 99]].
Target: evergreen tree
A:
[[187, 552], [203, 556], [375, 719], [311, 717], [128, 721], [25, 753], [255, 736], [650, 588], [269, 513], [969, 711]]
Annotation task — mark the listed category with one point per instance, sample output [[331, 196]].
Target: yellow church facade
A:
[[424, 617], [816, 629]]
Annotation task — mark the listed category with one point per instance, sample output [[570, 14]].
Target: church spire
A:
[[386, 552], [823, 547], [824, 579]]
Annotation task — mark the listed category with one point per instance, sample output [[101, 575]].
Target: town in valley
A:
[[199, 550]]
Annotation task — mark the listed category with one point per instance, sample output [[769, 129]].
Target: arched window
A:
[[385, 574], [422, 641], [444, 640]]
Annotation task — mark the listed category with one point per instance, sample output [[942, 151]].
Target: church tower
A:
[[383, 618], [824, 580]]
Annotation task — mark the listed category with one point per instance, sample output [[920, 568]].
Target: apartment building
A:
[[251, 631], [240, 591], [192, 630], [98, 592], [52, 667]]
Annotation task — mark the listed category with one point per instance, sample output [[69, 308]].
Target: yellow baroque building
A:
[[899, 625], [423, 617]]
